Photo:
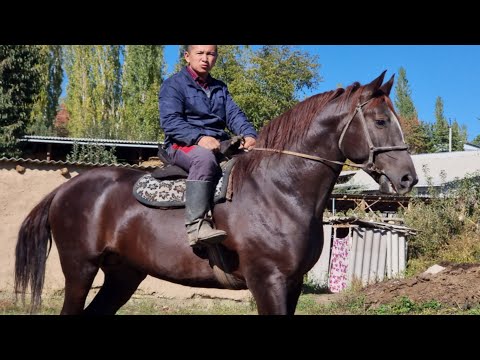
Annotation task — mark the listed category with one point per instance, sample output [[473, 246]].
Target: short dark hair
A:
[[187, 48]]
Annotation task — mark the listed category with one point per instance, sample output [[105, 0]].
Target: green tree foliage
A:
[[476, 140], [265, 83], [230, 65], [142, 76], [94, 90], [19, 88], [268, 81], [440, 127], [428, 146], [459, 136], [440, 131], [45, 108], [414, 133], [403, 100], [445, 222]]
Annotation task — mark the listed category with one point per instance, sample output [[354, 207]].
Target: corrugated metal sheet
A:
[[376, 254], [80, 163], [376, 251], [110, 142]]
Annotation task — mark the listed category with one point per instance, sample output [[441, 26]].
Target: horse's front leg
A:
[[293, 293], [269, 291]]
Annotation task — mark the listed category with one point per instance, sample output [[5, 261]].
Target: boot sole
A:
[[212, 240]]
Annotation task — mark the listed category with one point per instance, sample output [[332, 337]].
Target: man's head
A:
[[201, 58]]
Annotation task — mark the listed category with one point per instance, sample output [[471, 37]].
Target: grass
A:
[[350, 302]]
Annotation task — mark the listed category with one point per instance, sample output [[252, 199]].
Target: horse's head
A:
[[373, 137]]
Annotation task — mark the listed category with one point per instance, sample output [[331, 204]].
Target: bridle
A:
[[369, 166]]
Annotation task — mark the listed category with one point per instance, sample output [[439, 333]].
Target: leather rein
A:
[[370, 165]]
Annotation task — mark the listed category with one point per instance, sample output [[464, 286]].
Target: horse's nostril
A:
[[408, 180]]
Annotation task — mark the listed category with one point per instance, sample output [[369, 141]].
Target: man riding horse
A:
[[194, 110]]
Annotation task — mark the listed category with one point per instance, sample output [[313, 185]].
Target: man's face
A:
[[201, 58]]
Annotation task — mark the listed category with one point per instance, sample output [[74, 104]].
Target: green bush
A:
[[448, 225]]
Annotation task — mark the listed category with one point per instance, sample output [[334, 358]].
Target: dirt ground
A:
[[458, 285]]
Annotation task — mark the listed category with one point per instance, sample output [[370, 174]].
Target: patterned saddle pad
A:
[[171, 193]]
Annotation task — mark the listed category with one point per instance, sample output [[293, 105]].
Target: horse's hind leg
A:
[[120, 283], [77, 285]]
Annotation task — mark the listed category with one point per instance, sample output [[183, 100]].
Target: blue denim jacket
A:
[[187, 113]]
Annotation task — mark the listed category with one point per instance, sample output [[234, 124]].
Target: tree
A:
[[476, 140], [61, 121], [230, 64], [93, 90], [440, 128], [45, 108], [280, 74], [142, 76], [414, 133], [19, 88], [403, 100], [459, 136], [266, 82], [427, 146]]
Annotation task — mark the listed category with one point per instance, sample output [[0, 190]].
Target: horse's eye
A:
[[380, 123]]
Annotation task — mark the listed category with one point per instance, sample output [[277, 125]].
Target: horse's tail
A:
[[31, 252]]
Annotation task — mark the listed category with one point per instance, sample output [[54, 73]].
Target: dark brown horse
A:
[[274, 221]]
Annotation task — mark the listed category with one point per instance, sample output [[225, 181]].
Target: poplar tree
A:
[[94, 90], [46, 106], [143, 71]]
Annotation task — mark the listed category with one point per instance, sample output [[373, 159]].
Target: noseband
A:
[[369, 166]]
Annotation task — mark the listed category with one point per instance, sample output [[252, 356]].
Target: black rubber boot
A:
[[200, 228]]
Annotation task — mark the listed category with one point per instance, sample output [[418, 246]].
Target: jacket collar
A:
[[213, 84]]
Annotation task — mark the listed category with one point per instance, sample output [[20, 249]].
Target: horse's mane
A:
[[291, 127]]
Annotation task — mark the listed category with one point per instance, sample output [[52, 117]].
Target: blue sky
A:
[[449, 71]]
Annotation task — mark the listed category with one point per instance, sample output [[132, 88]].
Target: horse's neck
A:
[[308, 180], [321, 176]]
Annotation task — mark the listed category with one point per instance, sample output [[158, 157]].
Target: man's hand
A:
[[209, 143], [249, 143]]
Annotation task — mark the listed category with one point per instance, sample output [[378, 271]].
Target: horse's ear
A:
[[387, 87], [370, 89]]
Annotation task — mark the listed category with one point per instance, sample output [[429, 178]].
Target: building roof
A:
[[432, 169], [104, 142], [470, 147]]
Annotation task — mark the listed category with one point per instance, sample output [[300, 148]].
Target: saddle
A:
[[165, 187]]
